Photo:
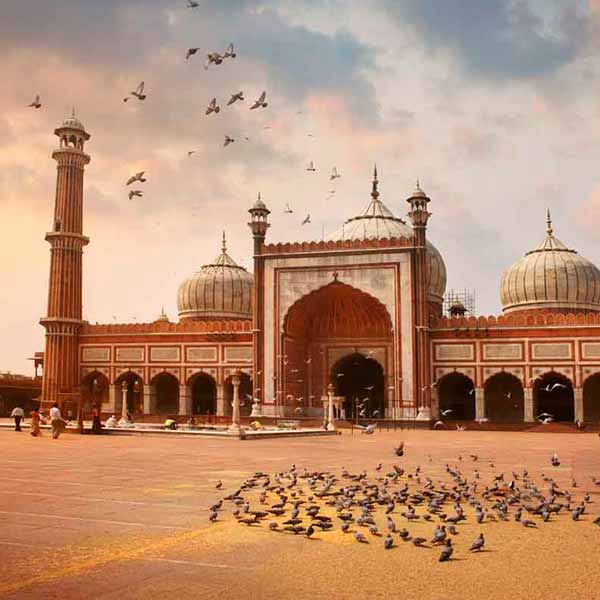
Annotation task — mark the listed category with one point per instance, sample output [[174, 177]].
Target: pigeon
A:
[[597, 521], [137, 93], [212, 517], [306, 220], [388, 542], [137, 177], [213, 107], [228, 140], [554, 460], [404, 534], [190, 152], [193, 4], [447, 552], [359, 537], [419, 541], [213, 58], [260, 103], [399, 451], [133, 193], [369, 429], [334, 174], [446, 412], [191, 52], [478, 544], [309, 531], [235, 98], [288, 210], [311, 167], [229, 53], [273, 526], [219, 485], [36, 103]]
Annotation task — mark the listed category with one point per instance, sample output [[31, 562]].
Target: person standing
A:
[[96, 421], [17, 414], [35, 423], [56, 421]]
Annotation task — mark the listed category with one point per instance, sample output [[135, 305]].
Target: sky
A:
[[493, 105]]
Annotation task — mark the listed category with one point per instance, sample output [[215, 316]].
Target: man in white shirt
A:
[[56, 421], [17, 414]]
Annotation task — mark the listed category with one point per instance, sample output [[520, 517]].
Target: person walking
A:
[[35, 423], [96, 421], [17, 414], [56, 421]]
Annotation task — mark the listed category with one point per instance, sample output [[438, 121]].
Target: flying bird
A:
[[137, 93], [193, 4], [334, 174], [235, 97], [213, 107], [288, 210], [190, 152], [36, 103], [306, 220], [229, 53], [446, 412], [133, 193], [137, 177], [260, 103], [311, 167], [228, 140], [191, 52], [213, 58]]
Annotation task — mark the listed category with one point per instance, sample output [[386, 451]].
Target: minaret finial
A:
[[224, 246], [549, 229], [375, 192], [73, 112]]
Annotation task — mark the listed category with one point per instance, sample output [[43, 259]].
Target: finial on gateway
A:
[[549, 229]]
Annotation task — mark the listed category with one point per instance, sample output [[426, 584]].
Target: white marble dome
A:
[[220, 290], [551, 277], [378, 222]]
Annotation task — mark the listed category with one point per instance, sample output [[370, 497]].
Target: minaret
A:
[[419, 216], [258, 225], [63, 320]]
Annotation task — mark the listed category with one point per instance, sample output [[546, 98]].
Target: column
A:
[[578, 398], [112, 400], [124, 420], [479, 404], [235, 417], [220, 400], [435, 403], [529, 417], [148, 399], [330, 419], [185, 400]]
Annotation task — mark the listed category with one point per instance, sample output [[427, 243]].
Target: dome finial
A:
[[549, 229], [73, 112], [375, 192], [224, 244]]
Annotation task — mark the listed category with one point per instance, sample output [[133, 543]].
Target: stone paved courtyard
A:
[[126, 517]]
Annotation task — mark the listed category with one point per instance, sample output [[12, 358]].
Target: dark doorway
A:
[[204, 395], [167, 394], [591, 398], [504, 399], [554, 396], [359, 380], [457, 395]]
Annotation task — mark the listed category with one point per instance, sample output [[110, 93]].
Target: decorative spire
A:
[[375, 192], [549, 229], [224, 244], [73, 112]]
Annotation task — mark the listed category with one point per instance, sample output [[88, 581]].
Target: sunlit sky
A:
[[494, 105]]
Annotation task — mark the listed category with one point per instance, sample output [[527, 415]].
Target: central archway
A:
[[504, 399], [336, 320], [204, 395], [360, 381], [167, 394]]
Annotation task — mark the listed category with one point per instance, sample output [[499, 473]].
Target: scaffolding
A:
[[455, 298]]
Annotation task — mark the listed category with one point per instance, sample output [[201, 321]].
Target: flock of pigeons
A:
[[392, 508], [213, 58]]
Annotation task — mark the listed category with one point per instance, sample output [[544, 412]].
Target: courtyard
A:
[[127, 517]]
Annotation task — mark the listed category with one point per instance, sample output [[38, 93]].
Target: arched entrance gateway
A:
[[553, 395], [166, 388], [504, 399], [359, 380], [341, 335], [132, 386], [204, 394], [456, 395], [591, 398]]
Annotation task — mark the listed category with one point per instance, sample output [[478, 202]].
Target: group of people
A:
[[38, 418]]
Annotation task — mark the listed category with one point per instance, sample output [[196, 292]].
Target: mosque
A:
[[358, 315]]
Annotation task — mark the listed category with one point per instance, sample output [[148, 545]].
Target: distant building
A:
[[362, 310]]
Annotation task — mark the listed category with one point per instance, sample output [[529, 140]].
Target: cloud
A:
[[496, 39]]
